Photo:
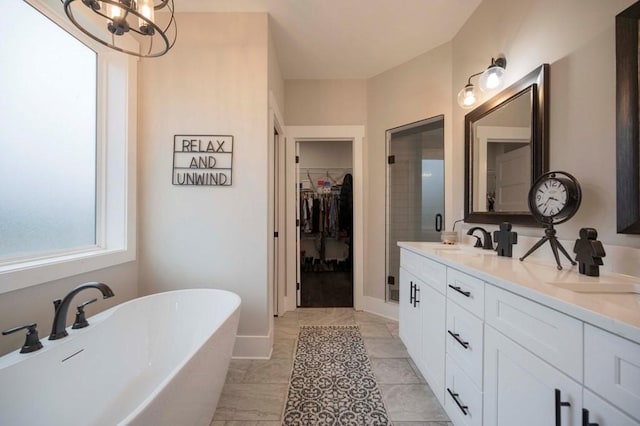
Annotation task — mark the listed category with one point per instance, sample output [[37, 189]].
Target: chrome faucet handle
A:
[[81, 319], [32, 341]]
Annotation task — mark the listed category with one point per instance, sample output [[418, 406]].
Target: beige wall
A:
[[215, 81], [276, 83], [413, 91], [577, 39], [325, 102], [35, 304]]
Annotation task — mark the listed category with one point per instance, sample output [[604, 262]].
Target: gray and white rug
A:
[[332, 382]]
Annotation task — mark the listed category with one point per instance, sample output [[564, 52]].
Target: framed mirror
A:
[[627, 123], [506, 149]]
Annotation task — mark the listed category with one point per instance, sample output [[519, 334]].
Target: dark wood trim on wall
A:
[[627, 133]]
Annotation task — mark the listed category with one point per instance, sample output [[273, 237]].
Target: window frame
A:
[[115, 173]]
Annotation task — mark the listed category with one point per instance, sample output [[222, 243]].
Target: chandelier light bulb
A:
[[114, 12], [131, 25], [145, 8]]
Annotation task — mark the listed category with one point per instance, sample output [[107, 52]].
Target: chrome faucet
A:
[[488, 241], [58, 330]]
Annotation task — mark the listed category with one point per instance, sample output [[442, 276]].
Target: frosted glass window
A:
[[47, 136]]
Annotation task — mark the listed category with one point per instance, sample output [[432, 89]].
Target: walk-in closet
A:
[[325, 195]]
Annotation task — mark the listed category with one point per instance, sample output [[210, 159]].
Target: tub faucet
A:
[[58, 330], [488, 242]]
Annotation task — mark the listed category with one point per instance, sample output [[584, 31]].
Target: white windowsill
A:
[[16, 276]]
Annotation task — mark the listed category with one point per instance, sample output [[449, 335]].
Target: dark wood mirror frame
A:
[[538, 82], [627, 133]]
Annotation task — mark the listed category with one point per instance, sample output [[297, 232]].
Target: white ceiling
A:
[[348, 39]]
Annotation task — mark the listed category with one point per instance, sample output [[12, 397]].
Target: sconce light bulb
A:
[[467, 96], [492, 81], [492, 77]]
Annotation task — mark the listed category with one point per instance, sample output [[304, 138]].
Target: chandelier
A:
[[110, 21]]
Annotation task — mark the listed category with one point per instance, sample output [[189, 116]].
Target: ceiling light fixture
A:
[[490, 79], [110, 20]]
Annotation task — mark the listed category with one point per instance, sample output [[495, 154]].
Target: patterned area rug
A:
[[332, 382]]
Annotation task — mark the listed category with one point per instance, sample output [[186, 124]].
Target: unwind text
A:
[[202, 160]]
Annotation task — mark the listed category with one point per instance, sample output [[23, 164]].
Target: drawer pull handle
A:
[[459, 290], [458, 339], [559, 405], [462, 408], [585, 418], [415, 296], [411, 295]]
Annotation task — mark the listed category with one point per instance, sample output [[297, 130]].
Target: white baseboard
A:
[[380, 307], [253, 347]]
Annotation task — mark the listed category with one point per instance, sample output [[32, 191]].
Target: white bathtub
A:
[[156, 360]]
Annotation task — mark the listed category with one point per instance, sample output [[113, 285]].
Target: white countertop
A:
[[539, 280]]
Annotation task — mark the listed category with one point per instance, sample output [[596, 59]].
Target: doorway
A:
[[325, 231], [415, 190]]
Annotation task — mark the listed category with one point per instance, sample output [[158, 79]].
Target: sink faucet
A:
[[58, 330], [488, 242]]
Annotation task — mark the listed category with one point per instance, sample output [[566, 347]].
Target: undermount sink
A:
[[458, 249], [602, 287]]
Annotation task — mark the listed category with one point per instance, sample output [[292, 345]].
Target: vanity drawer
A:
[[465, 341], [612, 368], [555, 337], [466, 291], [430, 272], [462, 400]]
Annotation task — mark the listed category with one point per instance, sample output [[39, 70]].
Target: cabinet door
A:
[[598, 411], [408, 314], [433, 318], [520, 389]]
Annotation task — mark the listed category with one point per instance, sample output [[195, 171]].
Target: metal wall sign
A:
[[202, 160]]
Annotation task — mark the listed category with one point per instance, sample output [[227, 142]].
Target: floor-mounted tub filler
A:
[[157, 360]]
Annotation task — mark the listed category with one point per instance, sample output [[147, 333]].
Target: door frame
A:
[[276, 292], [295, 134]]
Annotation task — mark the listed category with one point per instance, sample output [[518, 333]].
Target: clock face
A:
[[550, 197]]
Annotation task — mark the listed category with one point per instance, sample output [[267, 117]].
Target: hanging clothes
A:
[[315, 216], [346, 205]]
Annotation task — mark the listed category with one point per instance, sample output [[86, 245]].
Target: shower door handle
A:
[[438, 222]]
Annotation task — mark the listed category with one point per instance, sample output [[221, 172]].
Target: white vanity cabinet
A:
[[465, 313], [611, 370], [409, 313], [422, 316], [508, 359], [521, 389]]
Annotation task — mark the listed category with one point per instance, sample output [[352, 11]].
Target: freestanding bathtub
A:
[[157, 360]]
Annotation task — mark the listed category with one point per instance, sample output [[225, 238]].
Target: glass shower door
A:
[[415, 190]]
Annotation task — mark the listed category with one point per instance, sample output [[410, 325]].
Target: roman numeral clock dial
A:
[[553, 198]]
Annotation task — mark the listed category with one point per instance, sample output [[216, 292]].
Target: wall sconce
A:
[[115, 18], [490, 79]]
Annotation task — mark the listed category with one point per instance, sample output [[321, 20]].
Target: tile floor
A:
[[255, 390]]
